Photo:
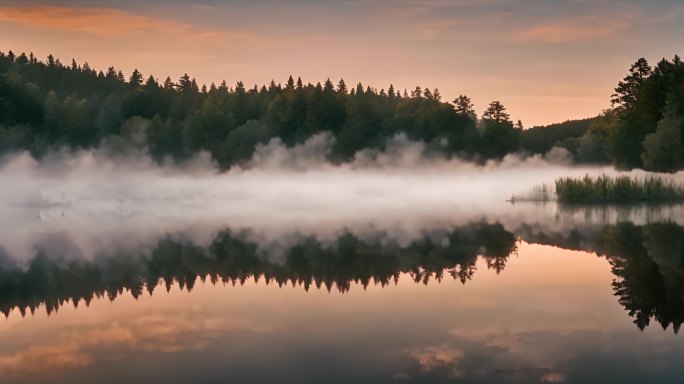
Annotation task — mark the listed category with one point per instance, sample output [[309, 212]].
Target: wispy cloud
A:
[[599, 23], [427, 31], [96, 21], [109, 22], [565, 33]]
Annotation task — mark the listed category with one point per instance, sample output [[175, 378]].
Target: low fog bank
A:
[[91, 202]]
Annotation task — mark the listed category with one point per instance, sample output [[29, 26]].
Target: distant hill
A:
[[540, 139]]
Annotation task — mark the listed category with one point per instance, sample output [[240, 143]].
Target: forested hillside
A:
[[48, 105], [569, 135]]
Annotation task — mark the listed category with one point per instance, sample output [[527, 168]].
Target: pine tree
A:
[[151, 83], [22, 59], [627, 90], [496, 112], [168, 84], [436, 95], [136, 78], [328, 87], [342, 86], [464, 107], [111, 73], [239, 88]]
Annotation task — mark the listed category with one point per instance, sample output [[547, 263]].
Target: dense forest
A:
[[569, 135], [47, 105]]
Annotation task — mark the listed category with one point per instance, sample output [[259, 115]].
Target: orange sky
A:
[[546, 61]]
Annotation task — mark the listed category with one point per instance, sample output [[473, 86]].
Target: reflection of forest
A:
[[648, 262], [52, 281]]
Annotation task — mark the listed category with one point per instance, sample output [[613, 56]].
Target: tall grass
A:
[[616, 189], [539, 193]]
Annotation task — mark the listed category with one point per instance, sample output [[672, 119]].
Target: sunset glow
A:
[[546, 61]]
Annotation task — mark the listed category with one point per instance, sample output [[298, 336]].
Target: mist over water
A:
[[86, 202], [83, 228]]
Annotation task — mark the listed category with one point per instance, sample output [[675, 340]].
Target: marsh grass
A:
[[618, 189], [539, 193]]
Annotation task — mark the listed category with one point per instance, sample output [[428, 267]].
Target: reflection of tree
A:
[[648, 262], [51, 281]]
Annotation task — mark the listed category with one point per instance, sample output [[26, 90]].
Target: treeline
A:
[[569, 135], [643, 129], [48, 105]]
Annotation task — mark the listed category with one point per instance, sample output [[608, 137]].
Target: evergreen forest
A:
[[46, 105]]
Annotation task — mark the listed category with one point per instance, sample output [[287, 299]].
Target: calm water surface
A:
[[576, 295]]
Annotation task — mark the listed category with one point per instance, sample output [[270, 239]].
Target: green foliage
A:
[[47, 105], [616, 189], [498, 139], [664, 150], [541, 139], [640, 103], [496, 112], [240, 144]]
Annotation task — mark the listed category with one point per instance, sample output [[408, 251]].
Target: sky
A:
[[545, 60]]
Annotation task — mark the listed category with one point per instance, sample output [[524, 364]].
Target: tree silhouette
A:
[[496, 112], [52, 282]]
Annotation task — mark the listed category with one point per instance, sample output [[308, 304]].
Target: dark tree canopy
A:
[[46, 106], [644, 128], [496, 112]]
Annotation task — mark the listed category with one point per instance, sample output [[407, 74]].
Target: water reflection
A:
[[646, 260], [52, 280]]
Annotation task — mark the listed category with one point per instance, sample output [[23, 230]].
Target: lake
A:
[[521, 293]]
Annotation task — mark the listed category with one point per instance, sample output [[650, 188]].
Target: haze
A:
[[284, 194]]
